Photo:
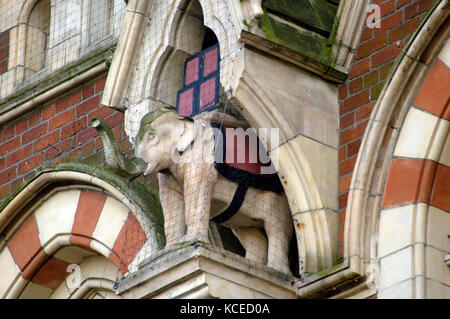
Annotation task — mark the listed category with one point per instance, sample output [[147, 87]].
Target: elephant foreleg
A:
[[198, 186], [172, 201]]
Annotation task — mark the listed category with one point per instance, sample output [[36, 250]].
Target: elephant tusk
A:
[[148, 169]]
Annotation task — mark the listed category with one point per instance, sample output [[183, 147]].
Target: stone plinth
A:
[[203, 272]]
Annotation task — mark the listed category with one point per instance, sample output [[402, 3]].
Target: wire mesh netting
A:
[[216, 192], [39, 38], [184, 67]]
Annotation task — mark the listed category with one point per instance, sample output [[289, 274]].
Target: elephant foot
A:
[[194, 237], [284, 268], [187, 240]]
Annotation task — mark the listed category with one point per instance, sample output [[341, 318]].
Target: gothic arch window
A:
[[33, 37], [51, 34], [200, 82], [190, 37]]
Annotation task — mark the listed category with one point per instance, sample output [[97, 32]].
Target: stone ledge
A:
[[29, 90], [258, 41], [198, 271], [331, 282]]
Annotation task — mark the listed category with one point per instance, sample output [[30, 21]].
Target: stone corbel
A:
[[252, 11], [447, 260]]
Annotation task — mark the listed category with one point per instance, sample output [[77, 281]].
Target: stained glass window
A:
[[201, 83]]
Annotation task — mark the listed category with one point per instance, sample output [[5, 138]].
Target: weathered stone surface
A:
[[184, 272], [396, 225], [396, 268], [317, 14], [307, 104]]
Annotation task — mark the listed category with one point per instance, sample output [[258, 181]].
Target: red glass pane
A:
[[210, 62], [192, 71], [186, 102], [208, 93]]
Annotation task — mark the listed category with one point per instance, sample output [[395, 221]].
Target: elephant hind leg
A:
[[279, 234], [254, 242]]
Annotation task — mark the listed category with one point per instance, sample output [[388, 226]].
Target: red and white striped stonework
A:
[[374, 60], [70, 227], [420, 168], [415, 210]]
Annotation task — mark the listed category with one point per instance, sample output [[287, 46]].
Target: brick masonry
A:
[[375, 56], [56, 132]]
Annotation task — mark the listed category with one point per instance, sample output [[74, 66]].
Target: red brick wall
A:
[[375, 56], [4, 51], [56, 132]]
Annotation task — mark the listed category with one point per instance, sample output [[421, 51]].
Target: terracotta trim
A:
[[13, 207], [51, 273], [373, 161], [34, 265], [32, 261], [434, 94], [128, 243], [440, 190], [82, 242], [408, 181], [25, 245], [90, 206]]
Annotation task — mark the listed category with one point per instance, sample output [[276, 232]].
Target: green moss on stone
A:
[[317, 14], [147, 120], [304, 42], [31, 88], [330, 270]]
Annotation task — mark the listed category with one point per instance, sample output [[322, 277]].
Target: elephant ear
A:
[[187, 135]]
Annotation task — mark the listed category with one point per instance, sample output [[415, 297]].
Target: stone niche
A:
[[268, 93]]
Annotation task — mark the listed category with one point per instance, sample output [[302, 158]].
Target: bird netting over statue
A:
[[215, 181], [209, 169]]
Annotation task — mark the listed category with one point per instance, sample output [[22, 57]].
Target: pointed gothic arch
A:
[[29, 40], [77, 218], [395, 174]]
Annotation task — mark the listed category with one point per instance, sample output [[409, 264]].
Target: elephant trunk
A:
[[114, 158]]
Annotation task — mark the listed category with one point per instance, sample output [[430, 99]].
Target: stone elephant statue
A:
[[193, 191]]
